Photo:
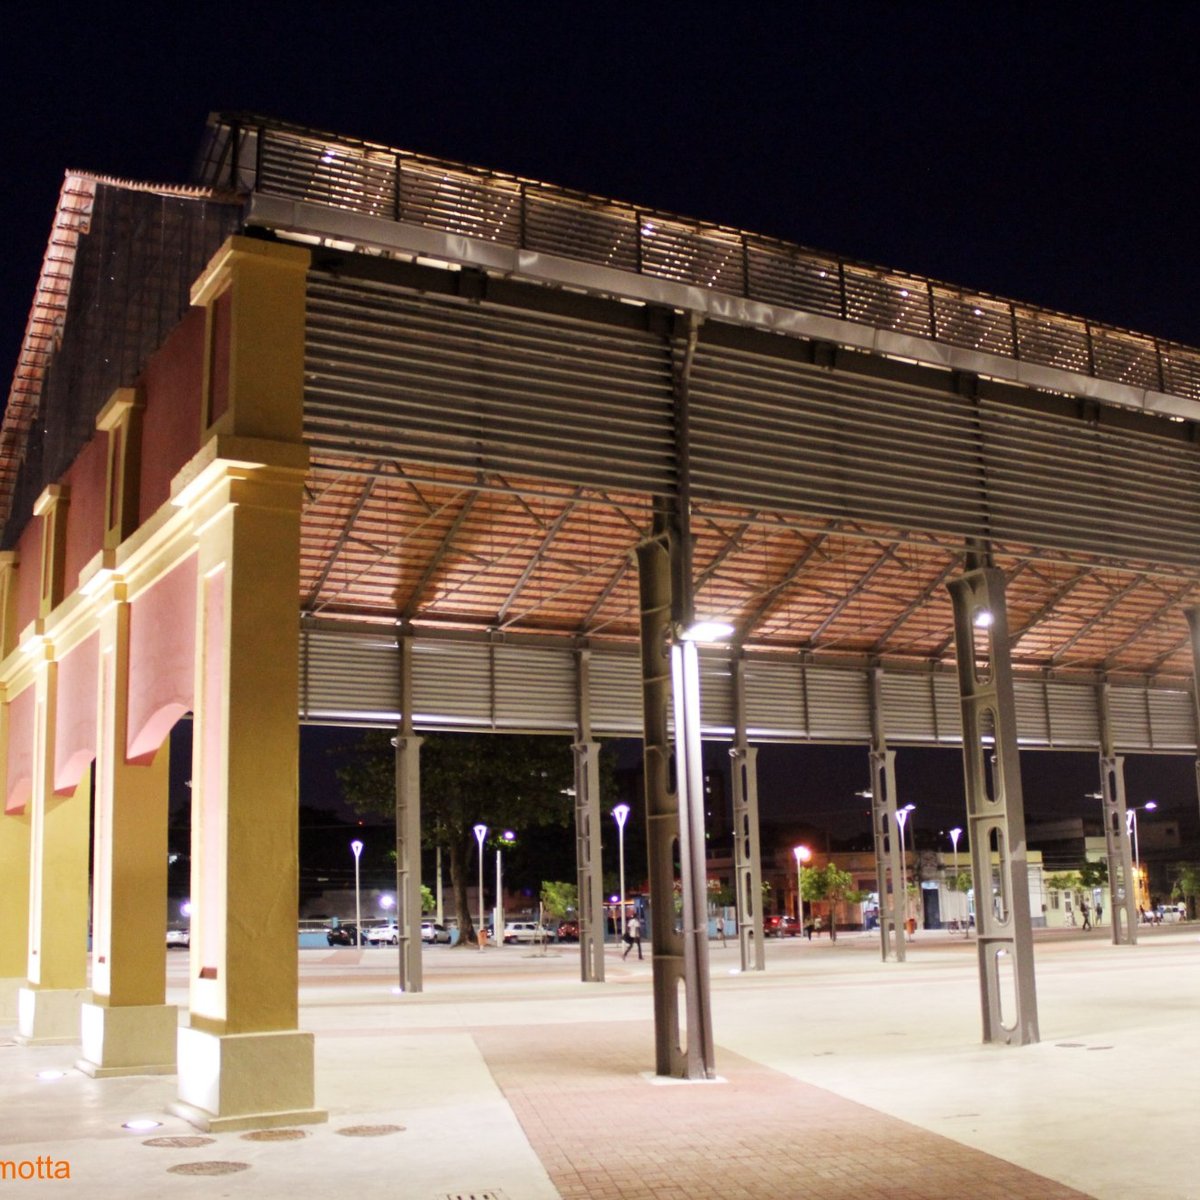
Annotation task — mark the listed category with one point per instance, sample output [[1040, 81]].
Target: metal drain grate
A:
[[369, 1130], [179, 1141], [472, 1196], [274, 1135], [208, 1168]]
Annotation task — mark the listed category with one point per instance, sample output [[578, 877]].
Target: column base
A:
[[8, 998], [50, 1016], [246, 1080], [133, 1039]]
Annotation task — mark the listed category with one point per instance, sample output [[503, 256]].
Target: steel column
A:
[[889, 867], [1122, 888], [588, 826], [662, 810], [408, 830], [995, 810], [747, 857]]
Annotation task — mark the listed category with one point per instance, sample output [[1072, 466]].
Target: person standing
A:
[[633, 936]]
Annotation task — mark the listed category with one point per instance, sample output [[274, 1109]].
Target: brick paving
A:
[[605, 1132]]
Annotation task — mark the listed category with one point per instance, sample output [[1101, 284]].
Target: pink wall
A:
[[162, 667], [87, 479], [171, 385], [19, 785], [75, 720], [29, 566]]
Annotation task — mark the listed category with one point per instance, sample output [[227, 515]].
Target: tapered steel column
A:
[[995, 811], [408, 830], [588, 825], [1193, 619], [889, 867], [747, 857], [1121, 886]]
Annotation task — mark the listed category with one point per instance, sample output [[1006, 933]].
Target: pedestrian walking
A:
[[1083, 908], [633, 936]]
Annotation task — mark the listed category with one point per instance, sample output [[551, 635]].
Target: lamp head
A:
[[802, 853], [356, 847]]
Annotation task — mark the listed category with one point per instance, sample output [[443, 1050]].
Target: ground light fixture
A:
[[141, 1125], [356, 848], [49, 1074], [621, 815]]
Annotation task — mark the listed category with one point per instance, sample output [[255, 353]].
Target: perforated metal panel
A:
[[616, 693], [948, 708], [1074, 717], [436, 380], [1130, 719], [1033, 717], [716, 695], [452, 684], [1172, 719]]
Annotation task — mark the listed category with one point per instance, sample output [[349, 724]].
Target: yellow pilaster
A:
[[242, 1060], [58, 887], [14, 891], [9, 634], [129, 1029]]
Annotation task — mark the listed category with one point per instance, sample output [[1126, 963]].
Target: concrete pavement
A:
[[841, 1076]]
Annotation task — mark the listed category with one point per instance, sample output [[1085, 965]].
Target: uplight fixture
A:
[[706, 631]]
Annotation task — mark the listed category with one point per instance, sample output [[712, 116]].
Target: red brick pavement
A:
[[604, 1132]]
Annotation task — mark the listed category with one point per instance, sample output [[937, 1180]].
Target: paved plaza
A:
[[839, 1077]]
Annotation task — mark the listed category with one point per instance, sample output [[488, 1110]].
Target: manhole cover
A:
[[371, 1131], [274, 1135], [208, 1168], [179, 1142]]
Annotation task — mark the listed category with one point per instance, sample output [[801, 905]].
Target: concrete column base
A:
[[50, 1016], [8, 998], [246, 1080], [133, 1039]]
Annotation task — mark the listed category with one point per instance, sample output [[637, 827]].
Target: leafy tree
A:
[[466, 778], [1187, 886], [1093, 875], [960, 882], [428, 902], [559, 899], [832, 884]]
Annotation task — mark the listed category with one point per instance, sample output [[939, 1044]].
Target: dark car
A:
[[343, 935], [781, 926], [568, 931]]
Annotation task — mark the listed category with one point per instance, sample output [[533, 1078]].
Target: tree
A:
[[560, 899], [466, 778], [428, 903], [1187, 886], [832, 884]]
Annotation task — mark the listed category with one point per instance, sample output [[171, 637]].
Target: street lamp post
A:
[[357, 847], [803, 854], [480, 834], [955, 834], [506, 838], [1131, 824], [621, 814], [902, 820]]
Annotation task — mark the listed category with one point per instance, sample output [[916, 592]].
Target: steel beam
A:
[[588, 824], [1193, 619], [1122, 887], [890, 878], [408, 830], [995, 811], [747, 856]]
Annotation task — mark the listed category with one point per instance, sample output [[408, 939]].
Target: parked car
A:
[[568, 931], [781, 926], [179, 937], [431, 932], [342, 935], [524, 931], [382, 935]]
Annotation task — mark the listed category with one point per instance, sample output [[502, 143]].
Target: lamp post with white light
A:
[[620, 815], [902, 820], [955, 834], [356, 848], [507, 838], [480, 833], [1131, 827], [803, 854]]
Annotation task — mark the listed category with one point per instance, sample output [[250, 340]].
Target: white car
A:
[[381, 935], [431, 931], [525, 931], [179, 937]]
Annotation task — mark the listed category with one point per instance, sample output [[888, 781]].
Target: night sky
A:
[[1040, 152]]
